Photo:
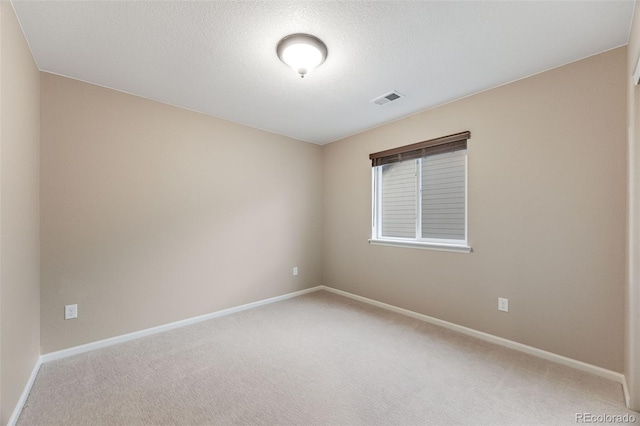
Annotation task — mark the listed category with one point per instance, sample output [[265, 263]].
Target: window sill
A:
[[457, 248]]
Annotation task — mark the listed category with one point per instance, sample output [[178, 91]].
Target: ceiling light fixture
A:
[[302, 52]]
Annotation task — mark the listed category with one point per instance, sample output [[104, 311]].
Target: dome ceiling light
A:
[[302, 52]]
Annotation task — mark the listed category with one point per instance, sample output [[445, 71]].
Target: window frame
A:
[[441, 244]]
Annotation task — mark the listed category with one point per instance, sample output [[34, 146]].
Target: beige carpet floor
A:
[[318, 359]]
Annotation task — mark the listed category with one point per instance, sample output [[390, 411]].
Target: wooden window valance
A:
[[449, 143]]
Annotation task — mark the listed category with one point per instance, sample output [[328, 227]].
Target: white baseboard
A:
[[25, 394], [589, 368], [627, 395], [583, 366], [149, 331]]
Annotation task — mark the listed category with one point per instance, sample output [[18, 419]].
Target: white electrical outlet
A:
[[503, 304], [70, 312], [295, 270]]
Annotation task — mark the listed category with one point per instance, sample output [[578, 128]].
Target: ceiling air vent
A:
[[389, 97]]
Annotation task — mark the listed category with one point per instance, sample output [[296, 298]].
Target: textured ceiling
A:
[[218, 57]]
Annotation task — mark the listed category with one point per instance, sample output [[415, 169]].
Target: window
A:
[[420, 194]]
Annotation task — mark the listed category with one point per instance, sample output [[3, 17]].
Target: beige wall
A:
[[547, 208], [632, 341], [19, 212], [152, 214]]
